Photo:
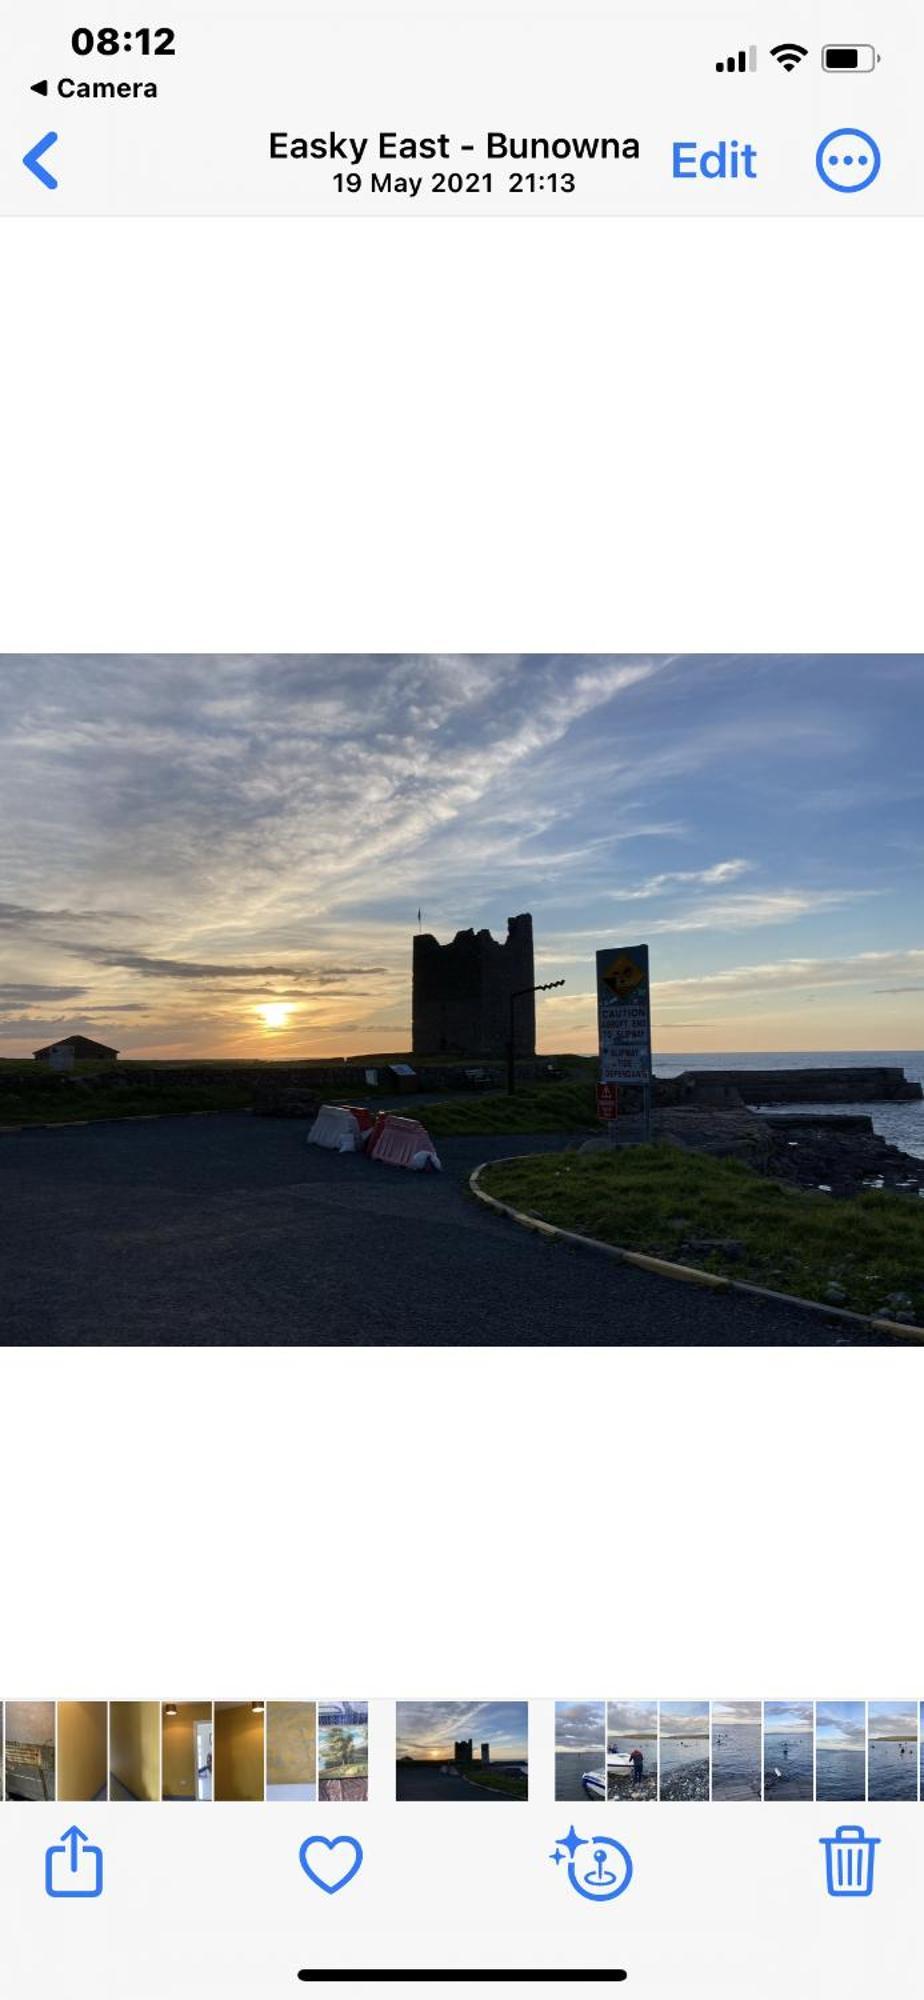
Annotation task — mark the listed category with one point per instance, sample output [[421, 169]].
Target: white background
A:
[[601, 435], [752, 1535]]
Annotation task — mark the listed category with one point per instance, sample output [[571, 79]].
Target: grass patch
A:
[[497, 1781], [70, 1107], [657, 1198], [542, 1107]]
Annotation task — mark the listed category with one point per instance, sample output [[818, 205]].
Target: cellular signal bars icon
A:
[[736, 65]]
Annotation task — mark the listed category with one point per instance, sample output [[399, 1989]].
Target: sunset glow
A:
[[225, 856], [274, 1015]]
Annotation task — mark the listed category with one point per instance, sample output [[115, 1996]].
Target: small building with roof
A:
[[74, 1048]]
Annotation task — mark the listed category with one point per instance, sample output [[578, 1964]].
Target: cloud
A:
[[789, 1716], [841, 1723], [786, 974], [632, 1717], [893, 1718], [169, 968], [752, 912], [684, 1718], [579, 1725], [727, 1713], [17, 995], [20, 916], [721, 871]]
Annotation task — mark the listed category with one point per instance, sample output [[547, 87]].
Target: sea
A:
[[736, 1760], [793, 1756], [892, 1775], [678, 1751], [620, 1744], [569, 1768], [900, 1124], [840, 1774]]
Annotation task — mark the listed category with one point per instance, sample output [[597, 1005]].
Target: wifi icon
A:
[[788, 54]]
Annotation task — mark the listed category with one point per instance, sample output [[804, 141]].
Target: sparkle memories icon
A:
[[610, 1874]]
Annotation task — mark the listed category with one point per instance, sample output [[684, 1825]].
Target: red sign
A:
[[607, 1094]]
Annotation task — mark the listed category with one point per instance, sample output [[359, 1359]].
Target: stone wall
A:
[[861, 1085]]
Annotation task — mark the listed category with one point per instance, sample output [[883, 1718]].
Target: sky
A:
[[893, 1718], [726, 1713], [579, 1725], [432, 1728], [684, 1718], [191, 841], [840, 1725], [788, 1718], [632, 1717]]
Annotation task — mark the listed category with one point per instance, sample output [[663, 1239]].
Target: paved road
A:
[[231, 1230], [417, 1781]]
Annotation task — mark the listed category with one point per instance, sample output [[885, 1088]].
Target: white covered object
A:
[[402, 1142], [335, 1128]]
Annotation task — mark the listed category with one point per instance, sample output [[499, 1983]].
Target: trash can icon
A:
[[850, 1855]]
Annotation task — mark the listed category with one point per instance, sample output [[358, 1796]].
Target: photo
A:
[[635, 937], [239, 1751], [789, 1750], [83, 1750], [840, 1750], [292, 1750], [29, 1750], [683, 1750], [134, 1750], [632, 1750], [462, 1750], [343, 1749], [186, 1750], [580, 1750], [736, 1749], [893, 1750]]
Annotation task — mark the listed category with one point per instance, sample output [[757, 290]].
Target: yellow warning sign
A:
[[623, 1014], [623, 975]]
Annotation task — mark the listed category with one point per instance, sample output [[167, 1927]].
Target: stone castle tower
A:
[[462, 991]]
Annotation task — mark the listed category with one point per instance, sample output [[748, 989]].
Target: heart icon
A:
[[331, 1871]]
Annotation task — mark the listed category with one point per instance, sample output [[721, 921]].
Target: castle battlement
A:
[[461, 1004]]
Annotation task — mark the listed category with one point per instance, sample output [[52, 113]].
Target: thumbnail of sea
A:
[[893, 1767], [789, 1764], [900, 1124], [570, 1766], [840, 1774], [736, 1760]]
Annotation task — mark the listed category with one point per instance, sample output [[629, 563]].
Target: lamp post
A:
[[520, 994]]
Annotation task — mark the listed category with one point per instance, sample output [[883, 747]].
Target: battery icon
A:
[[849, 58]]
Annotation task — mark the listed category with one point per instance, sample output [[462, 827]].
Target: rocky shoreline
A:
[[841, 1154], [692, 1782], [647, 1789], [844, 1155]]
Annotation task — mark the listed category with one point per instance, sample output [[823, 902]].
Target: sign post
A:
[[624, 1022]]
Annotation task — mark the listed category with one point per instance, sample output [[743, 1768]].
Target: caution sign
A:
[[624, 1014]]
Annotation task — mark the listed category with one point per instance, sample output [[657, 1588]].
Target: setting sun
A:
[[274, 1016]]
